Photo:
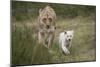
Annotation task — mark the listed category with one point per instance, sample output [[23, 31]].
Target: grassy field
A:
[[26, 50]]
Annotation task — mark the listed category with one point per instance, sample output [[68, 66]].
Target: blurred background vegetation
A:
[[25, 10], [26, 50]]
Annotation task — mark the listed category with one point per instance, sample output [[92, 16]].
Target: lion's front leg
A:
[[40, 37], [50, 40]]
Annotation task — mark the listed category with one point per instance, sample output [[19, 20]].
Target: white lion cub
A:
[[65, 39]]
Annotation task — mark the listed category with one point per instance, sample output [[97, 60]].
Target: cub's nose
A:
[[69, 39], [48, 26]]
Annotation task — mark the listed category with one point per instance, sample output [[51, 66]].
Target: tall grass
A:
[[26, 50]]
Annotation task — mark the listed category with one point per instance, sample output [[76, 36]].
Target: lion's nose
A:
[[48, 26]]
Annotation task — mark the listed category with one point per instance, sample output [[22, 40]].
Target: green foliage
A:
[[31, 9]]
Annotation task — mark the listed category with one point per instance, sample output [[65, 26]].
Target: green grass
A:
[[26, 50]]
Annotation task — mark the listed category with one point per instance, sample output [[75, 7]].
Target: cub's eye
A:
[[67, 36], [50, 19], [44, 20]]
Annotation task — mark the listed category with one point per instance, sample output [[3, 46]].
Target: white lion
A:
[[65, 39]]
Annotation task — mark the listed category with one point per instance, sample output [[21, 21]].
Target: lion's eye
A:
[[44, 20], [50, 19]]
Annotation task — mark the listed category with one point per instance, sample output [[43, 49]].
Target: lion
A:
[[46, 26]]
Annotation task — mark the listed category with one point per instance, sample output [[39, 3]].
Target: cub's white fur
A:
[[65, 39]]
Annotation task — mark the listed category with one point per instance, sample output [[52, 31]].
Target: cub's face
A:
[[68, 35]]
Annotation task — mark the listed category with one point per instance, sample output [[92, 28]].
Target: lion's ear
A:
[[40, 10], [55, 27]]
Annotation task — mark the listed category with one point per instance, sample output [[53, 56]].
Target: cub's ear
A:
[[40, 10], [65, 32], [72, 31]]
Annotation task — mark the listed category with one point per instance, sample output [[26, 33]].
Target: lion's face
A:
[[47, 17], [47, 21]]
